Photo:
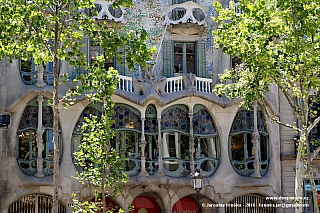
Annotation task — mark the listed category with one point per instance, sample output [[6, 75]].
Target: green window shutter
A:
[[120, 64], [167, 47], [85, 49], [201, 59]]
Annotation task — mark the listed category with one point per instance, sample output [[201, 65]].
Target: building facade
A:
[[168, 122]]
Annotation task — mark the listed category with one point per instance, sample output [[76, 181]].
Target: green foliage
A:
[[278, 41], [48, 31]]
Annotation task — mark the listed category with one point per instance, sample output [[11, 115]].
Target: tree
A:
[[99, 162], [278, 43], [49, 31]]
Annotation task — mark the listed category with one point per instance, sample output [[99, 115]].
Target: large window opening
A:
[[241, 149], [27, 149], [176, 141]]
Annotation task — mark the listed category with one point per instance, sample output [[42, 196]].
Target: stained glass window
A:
[[126, 118], [87, 112], [244, 122], [27, 151], [241, 145], [203, 123], [176, 118]]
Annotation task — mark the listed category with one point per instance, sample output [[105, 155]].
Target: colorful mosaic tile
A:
[[176, 118], [126, 119], [244, 122], [203, 123], [29, 117]]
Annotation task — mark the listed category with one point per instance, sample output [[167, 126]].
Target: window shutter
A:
[[85, 49], [201, 59], [167, 58], [120, 64]]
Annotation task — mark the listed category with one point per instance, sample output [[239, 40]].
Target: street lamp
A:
[[197, 185]]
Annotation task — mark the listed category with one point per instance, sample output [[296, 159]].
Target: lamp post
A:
[[197, 185]]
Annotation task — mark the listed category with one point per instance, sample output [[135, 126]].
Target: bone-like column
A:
[[256, 143], [143, 172], [159, 144], [39, 139]]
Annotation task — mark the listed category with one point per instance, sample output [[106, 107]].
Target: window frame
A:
[[184, 57], [246, 159]]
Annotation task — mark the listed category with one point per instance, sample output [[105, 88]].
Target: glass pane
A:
[[94, 51], [237, 147], [190, 48], [184, 147], [48, 67], [178, 63], [128, 144], [172, 146], [178, 48], [191, 65], [250, 149], [26, 65], [48, 139], [208, 147], [24, 138], [263, 148], [34, 145], [151, 151]]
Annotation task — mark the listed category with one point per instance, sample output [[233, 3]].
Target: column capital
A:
[[40, 98]]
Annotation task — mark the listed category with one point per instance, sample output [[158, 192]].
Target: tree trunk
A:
[[55, 204], [299, 179], [310, 172]]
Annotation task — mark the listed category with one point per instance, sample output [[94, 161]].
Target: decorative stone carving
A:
[[105, 11], [189, 81], [151, 86], [188, 12], [40, 83]]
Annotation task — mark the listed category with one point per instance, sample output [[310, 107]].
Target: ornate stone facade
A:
[[173, 120]]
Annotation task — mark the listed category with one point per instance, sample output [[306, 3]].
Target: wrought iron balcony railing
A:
[[188, 12]]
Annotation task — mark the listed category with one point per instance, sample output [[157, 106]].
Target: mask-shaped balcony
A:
[[106, 12], [188, 12]]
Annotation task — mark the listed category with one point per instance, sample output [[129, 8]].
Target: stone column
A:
[[143, 172], [159, 144], [256, 143], [39, 139], [191, 141], [40, 83]]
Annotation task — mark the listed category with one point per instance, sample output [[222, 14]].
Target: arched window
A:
[[76, 136], [176, 140], [127, 122], [207, 151], [241, 150], [128, 125], [27, 151], [34, 203]]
